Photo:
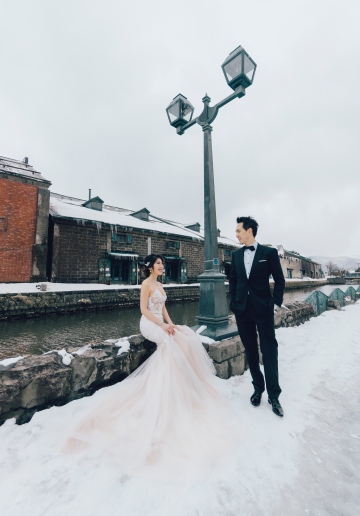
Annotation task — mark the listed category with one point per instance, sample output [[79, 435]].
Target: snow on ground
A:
[[307, 463]]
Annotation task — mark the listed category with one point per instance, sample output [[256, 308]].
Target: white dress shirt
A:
[[249, 258]]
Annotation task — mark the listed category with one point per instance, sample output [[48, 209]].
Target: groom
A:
[[253, 306]]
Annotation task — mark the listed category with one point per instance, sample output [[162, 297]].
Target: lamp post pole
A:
[[211, 243], [213, 310]]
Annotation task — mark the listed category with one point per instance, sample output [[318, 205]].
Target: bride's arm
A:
[[144, 297], [166, 316]]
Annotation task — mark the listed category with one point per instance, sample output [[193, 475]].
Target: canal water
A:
[[36, 336]]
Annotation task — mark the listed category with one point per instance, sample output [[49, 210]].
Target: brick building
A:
[[24, 216], [92, 242]]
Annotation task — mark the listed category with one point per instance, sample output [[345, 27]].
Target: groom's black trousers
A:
[[247, 323]]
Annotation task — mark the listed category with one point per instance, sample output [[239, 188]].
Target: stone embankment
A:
[[296, 284], [38, 382], [37, 304]]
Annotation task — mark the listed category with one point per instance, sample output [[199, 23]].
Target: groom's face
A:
[[244, 236]]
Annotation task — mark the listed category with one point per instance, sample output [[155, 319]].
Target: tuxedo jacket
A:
[[266, 262]]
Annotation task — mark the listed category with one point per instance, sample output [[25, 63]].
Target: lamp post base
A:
[[213, 309], [219, 332]]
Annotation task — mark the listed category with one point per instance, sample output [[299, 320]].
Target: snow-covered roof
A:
[[70, 207], [14, 167]]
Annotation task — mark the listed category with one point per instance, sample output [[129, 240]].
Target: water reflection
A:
[[35, 336]]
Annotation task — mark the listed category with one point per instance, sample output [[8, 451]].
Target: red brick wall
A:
[[18, 208]]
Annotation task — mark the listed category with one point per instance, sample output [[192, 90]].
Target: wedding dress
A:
[[168, 418]]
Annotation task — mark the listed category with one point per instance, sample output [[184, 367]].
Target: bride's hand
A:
[[169, 328]]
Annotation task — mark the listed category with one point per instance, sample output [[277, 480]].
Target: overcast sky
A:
[[85, 84]]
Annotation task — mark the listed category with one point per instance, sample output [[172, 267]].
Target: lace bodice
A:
[[156, 302]]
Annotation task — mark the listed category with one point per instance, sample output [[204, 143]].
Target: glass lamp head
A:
[[179, 111], [239, 68]]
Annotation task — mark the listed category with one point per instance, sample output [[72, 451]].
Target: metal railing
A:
[[320, 301]]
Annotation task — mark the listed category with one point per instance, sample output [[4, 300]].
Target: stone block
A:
[[225, 349], [333, 304], [34, 381], [222, 370], [82, 369], [237, 365]]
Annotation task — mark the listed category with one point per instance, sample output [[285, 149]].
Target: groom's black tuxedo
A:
[[266, 262], [253, 306]]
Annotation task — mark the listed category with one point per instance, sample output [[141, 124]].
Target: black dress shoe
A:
[[276, 407], [255, 399]]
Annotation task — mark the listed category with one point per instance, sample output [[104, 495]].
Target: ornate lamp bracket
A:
[[209, 113]]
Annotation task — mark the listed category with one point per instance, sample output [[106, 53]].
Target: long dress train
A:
[[168, 417]]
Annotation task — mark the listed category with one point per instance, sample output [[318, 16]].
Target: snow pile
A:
[[66, 357], [203, 338], [201, 329], [305, 463], [206, 340], [123, 344], [82, 350], [9, 361]]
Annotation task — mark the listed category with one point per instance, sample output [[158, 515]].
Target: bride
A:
[[168, 418]]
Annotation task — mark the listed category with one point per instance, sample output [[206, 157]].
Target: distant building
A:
[[296, 266], [308, 268], [350, 275], [92, 242], [24, 216], [291, 265]]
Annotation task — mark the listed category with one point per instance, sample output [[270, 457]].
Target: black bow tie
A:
[[251, 248]]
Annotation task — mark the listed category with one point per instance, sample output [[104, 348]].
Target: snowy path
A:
[[307, 463]]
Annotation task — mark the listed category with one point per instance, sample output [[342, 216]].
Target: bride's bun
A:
[[149, 261]]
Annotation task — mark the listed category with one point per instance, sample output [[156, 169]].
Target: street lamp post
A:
[[239, 70]]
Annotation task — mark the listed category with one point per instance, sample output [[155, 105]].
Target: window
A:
[[173, 245], [121, 271], [125, 239], [289, 273], [172, 271]]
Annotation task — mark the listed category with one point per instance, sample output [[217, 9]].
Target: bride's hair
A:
[[149, 262]]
